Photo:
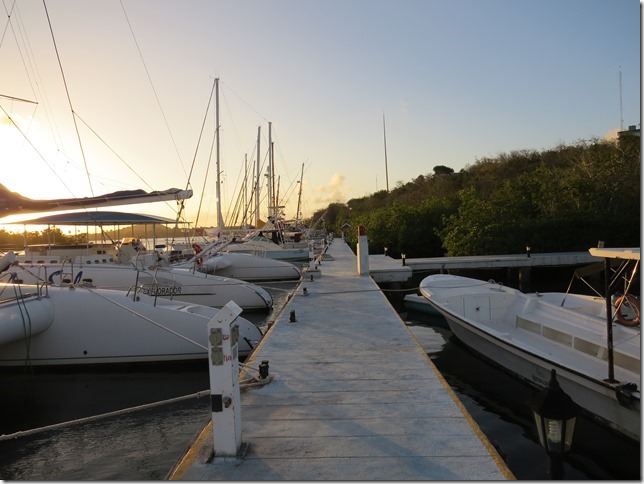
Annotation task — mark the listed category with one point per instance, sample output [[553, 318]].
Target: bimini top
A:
[[96, 218], [632, 253]]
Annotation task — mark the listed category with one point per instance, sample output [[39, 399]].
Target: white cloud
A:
[[333, 192], [612, 134]]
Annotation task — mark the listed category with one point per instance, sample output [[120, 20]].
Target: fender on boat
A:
[[22, 318], [6, 260]]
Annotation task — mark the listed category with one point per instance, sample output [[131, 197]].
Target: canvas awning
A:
[[96, 218]]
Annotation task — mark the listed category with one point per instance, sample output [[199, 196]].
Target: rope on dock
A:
[[244, 384], [93, 418]]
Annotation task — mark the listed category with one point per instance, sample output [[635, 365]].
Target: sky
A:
[[449, 81]]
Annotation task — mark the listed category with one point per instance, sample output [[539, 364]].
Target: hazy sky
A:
[[456, 80]]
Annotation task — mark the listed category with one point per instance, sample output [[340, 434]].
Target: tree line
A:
[[563, 199]]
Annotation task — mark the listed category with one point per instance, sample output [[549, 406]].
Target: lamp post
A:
[[554, 414]]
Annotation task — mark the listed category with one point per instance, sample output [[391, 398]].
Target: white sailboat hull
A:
[[92, 326], [248, 267], [530, 334], [180, 284]]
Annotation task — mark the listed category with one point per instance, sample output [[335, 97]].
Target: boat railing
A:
[[12, 280], [154, 287], [499, 285]]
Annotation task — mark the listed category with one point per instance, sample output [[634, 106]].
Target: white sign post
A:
[[223, 335], [363, 252]]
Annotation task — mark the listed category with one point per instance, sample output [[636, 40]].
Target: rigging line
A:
[[69, 100], [145, 318], [35, 149], [194, 158], [34, 77], [6, 27], [247, 103], [205, 180], [111, 149], [147, 72]]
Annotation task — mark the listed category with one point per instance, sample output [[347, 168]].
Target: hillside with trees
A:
[[562, 199]]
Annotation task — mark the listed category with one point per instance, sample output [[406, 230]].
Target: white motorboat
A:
[[77, 325], [595, 353]]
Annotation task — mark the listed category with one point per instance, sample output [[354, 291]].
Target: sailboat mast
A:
[[259, 132], [220, 222], [299, 199], [245, 198]]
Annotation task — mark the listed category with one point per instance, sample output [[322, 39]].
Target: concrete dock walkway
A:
[[353, 397]]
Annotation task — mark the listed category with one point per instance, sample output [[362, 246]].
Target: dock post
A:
[[363, 252], [223, 336], [311, 256]]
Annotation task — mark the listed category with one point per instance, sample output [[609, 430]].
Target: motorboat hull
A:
[[515, 342]]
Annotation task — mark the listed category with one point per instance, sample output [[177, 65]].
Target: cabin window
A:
[[558, 336], [528, 325]]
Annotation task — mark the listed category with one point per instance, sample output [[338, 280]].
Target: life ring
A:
[[632, 303], [197, 248], [199, 261]]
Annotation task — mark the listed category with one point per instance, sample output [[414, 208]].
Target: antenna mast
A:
[[621, 107], [384, 133]]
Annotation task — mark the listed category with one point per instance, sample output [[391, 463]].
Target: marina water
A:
[[141, 440]]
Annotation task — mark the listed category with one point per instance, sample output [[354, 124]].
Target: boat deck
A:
[[354, 396]]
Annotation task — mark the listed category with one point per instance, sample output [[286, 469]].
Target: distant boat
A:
[[595, 346], [128, 264], [143, 277], [260, 245], [248, 267], [76, 325]]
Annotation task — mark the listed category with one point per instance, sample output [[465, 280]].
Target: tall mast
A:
[[384, 133], [299, 198], [245, 199], [220, 222], [259, 132], [271, 187]]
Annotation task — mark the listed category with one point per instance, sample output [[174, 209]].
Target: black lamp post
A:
[[554, 414]]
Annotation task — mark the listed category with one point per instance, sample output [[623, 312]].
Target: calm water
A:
[[145, 443], [497, 402]]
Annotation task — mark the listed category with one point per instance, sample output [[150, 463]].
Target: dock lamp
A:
[[554, 414]]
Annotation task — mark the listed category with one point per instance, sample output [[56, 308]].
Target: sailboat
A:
[[46, 325], [133, 267], [242, 258], [65, 311]]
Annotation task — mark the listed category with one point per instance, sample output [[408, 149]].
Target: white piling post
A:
[[363, 252], [223, 336], [311, 256]]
